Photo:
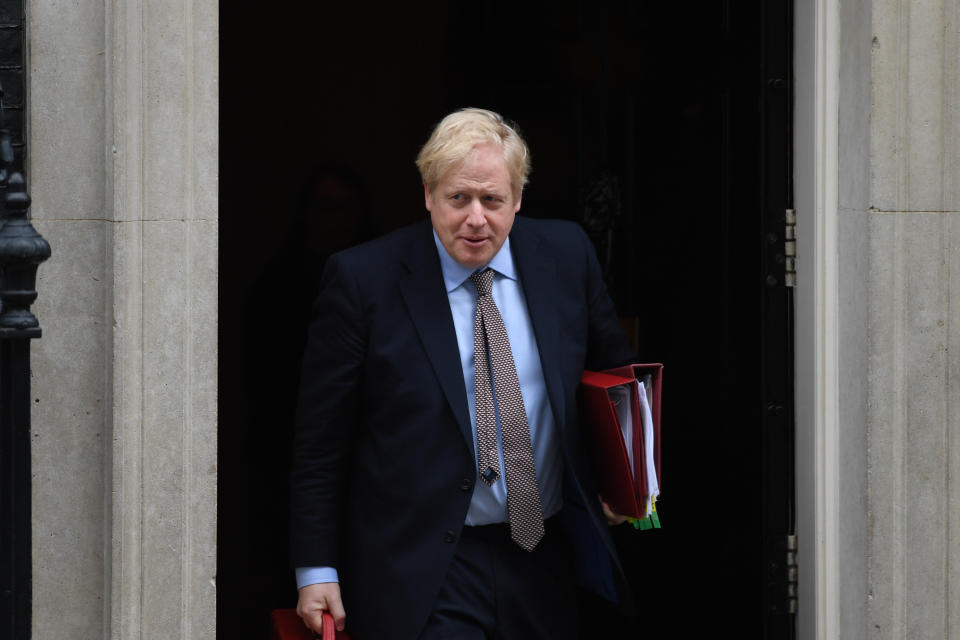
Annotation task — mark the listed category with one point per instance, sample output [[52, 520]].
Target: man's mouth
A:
[[474, 241]]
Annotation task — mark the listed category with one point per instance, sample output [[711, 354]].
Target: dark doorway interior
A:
[[659, 126]]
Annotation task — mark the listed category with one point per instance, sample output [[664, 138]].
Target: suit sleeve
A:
[[327, 419], [607, 344]]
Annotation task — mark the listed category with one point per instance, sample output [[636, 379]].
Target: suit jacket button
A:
[[449, 536], [465, 484]]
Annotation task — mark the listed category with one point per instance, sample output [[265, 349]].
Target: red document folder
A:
[[622, 487], [287, 625]]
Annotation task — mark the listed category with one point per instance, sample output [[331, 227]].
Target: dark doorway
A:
[[664, 128]]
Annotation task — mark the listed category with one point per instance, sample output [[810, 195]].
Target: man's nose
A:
[[475, 217]]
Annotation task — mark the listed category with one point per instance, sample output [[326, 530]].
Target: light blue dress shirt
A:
[[489, 503]]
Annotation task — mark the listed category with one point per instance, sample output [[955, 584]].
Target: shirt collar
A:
[[454, 273]]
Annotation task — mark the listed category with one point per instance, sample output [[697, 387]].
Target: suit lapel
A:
[[427, 303], [538, 276]]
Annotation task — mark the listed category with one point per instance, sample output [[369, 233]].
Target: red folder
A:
[[287, 625], [622, 487]]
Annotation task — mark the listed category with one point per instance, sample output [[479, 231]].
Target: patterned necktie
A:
[[523, 497]]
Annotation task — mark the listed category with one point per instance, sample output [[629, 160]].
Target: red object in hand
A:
[[287, 625]]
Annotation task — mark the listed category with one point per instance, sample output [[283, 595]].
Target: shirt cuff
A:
[[315, 575]]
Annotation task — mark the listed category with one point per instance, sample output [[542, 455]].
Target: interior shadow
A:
[[641, 118]]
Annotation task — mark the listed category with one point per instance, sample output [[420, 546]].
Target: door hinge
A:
[[791, 565], [781, 595], [790, 249]]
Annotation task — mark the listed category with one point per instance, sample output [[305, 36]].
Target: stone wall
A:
[[853, 240], [913, 443], [123, 170], [71, 414], [878, 198], [898, 229]]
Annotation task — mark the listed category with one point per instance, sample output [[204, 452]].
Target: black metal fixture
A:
[[22, 250]]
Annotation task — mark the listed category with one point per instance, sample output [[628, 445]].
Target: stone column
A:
[[853, 248], [878, 338], [123, 111], [913, 474]]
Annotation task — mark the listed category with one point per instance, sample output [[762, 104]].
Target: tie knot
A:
[[484, 281]]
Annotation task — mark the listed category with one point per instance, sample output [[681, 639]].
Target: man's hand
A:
[[317, 598], [613, 519]]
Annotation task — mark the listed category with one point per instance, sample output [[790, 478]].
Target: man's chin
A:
[[473, 259]]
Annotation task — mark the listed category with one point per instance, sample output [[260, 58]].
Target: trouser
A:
[[494, 590]]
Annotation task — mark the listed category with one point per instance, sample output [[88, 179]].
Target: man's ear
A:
[[426, 197]]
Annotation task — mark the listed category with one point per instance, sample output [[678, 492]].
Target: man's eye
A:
[[457, 196]]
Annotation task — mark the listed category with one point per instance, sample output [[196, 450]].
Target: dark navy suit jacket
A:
[[384, 464]]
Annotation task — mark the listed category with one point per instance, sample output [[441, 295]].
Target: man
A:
[[436, 494]]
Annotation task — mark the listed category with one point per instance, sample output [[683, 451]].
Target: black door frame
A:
[[779, 474]]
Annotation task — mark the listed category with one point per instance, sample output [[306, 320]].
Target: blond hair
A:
[[460, 132]]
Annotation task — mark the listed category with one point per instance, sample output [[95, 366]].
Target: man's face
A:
[[472, 207]]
